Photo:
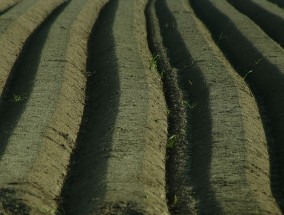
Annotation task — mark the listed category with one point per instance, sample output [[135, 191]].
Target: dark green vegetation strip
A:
[[120, 162], [265, 14], [225, 133], [261, 61]]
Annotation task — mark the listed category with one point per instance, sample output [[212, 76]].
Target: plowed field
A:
[[153, 107]]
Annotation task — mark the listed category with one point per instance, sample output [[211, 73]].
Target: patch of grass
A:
[[153, 62]]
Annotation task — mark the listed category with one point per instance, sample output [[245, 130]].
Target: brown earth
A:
[[6, 5], [141, 107]]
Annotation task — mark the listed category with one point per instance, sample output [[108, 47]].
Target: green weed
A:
[[222, 36], [162, 73], [153, 62], [258, 61], [247, 74], [190, 106], [192, 63], [171, 143], [18, 98], [175, 200]]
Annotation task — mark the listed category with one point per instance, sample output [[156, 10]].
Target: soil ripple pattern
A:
[[225, 133], [23, 18], [37, 152], [6, 5], [265, 14], [261, 62], [118, 167]]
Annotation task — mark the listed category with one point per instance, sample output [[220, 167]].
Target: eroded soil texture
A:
[[149, 107]]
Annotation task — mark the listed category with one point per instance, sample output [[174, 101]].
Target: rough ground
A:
[[141, 107]]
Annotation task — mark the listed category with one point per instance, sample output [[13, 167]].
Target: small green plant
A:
[[192, 63], [222, 36], [162, 73], [89, 73], [190, 106], [258, 61], [175, 200], [153, 62], [171, 141], [17, 98], [168, 112], [247, 74]]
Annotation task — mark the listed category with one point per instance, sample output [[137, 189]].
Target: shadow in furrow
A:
[[84, 187], [194, 149], [280, 3], [7, 9], [271, 24], [20, 82], [265, 81]]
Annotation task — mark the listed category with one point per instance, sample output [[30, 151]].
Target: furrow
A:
[[228, 167], [35, 159], [261, 62], [16, 26], [265, 14], [280, 3], [180, 196], [6, 5], [120, 162]]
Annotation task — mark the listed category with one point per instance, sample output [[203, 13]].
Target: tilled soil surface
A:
[[141, 107]]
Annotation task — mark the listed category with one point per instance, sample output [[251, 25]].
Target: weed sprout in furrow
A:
[[153, 62], [18, 98]]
